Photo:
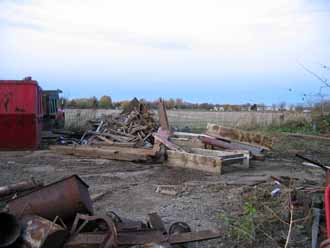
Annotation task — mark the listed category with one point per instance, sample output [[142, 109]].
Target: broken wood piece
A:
[[167, 190], [112, 136], [164, 140], [99, 196], [110, 142]]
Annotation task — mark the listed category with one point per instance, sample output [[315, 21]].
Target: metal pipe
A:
[[10, 229], [19, 187]]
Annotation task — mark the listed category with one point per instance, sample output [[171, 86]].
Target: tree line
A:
[[106, 102]]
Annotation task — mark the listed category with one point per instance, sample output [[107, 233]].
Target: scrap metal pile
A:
[[133, 127], [61, 214]]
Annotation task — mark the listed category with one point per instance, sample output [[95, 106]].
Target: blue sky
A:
[[200, 50]]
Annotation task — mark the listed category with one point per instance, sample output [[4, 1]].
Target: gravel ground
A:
[[130, 188]]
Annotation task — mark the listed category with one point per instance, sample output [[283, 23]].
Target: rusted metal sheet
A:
[[10, 229], [19, 187], [39, 232], [64, 198], [163, 120]]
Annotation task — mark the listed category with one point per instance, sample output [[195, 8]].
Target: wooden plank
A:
[[164, 140], [194, 161], [118, 153], [227, 157], [241, 136]]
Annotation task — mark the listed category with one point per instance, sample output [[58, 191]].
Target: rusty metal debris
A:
[[19, 187], [43, 218], [39, 232], [63, 198]]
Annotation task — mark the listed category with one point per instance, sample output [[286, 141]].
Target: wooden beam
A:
[[114, 153]]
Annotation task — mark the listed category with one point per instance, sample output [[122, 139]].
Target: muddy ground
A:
[[130, 188]]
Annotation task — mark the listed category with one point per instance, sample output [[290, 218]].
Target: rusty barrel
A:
[[64, 198], [10, 229]]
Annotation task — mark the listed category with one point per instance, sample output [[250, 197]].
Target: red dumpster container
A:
[[21, 114]]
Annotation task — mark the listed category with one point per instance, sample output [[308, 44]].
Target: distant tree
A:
[[124, 104], [105, 102], [226, 107], [94, 102], [179, 103], [170, 104]]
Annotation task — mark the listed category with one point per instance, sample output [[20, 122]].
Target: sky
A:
[[215, 51]]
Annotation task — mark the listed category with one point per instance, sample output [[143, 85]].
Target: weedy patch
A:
[[266, 220]]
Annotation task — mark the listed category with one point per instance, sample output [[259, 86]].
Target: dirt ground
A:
[[130, 188]]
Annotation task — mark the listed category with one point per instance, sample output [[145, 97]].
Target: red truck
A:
[[24, 109]]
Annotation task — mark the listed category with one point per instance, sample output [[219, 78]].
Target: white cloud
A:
[[174, 38]]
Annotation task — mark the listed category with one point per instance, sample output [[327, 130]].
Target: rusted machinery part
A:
[[10, 229], [39, 232], [115, 217], [325, 244], [110, 239], [179, 227]]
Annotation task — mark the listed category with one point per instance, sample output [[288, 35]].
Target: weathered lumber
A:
[[194, 161], [114, 153], [256, 139], [112, 136], [227, 157], [207, 160]]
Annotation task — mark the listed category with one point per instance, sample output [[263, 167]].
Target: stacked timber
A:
[[133, 127]]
